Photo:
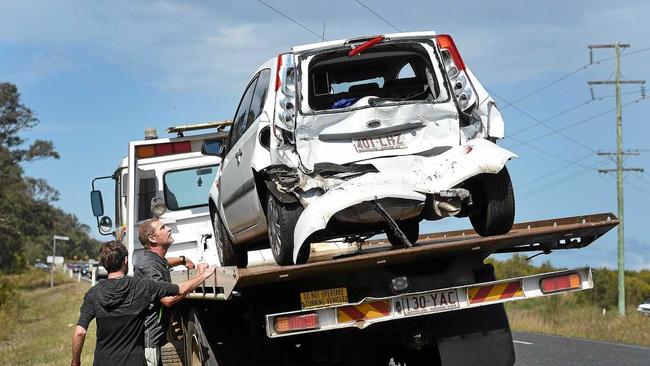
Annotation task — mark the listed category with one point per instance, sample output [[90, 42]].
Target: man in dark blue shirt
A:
[[119, 304]]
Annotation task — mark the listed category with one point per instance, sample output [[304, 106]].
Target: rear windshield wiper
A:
[[373, 102]]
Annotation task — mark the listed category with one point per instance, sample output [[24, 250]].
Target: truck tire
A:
[[229, 253], [410, 228], [282, 218], [493, 211]]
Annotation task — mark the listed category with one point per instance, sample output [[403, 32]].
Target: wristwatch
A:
[[183, 258]]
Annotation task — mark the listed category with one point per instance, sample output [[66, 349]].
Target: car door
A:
[[255, 223], [234, 186]]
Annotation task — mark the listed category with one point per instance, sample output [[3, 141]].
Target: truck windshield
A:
[[188, 188], [396, 72]]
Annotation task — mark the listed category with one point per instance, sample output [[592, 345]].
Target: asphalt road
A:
[[541, 350]]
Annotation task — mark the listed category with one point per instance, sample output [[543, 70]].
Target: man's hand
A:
[[209, 271], [200, 268], [189, 264]]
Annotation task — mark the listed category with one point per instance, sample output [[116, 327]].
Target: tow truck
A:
[[362, 303]]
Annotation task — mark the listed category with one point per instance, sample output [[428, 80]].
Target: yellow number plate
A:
[[316, 299]]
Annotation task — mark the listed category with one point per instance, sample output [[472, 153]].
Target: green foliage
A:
[[603, 295], [27, 217]]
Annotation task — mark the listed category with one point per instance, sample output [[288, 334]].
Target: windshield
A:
[[394, 72], [188, 188]]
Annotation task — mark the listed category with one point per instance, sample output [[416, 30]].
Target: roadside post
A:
[[54, 239], [93, 275]]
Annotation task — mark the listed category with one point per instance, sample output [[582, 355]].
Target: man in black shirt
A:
[[119, 304], [156, 239]]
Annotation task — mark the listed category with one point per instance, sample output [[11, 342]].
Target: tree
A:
[[27, 218]]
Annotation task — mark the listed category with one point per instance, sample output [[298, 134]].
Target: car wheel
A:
[[229, 254], [493, 211], [410, 228], [282, 218]]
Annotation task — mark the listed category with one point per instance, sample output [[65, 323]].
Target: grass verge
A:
[[42, 321], [560, 315]]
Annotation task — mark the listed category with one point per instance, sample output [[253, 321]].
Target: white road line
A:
[[522, 342]]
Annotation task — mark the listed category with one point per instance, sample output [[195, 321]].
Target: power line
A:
[[543, 123], [638, 188], [553, 172], [319, 36], [569, 74], [564, 179], [576, 123], [379, 16]]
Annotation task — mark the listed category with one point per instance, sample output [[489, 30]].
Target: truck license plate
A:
[[379, 143], [315, 299], [430, 302]]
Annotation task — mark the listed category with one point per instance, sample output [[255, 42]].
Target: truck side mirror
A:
[[212, 147], [97, 203]]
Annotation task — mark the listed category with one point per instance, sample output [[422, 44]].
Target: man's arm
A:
[[180, 261], [78, 338], [169, 301]]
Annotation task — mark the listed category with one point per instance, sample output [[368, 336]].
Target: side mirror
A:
[[212, 148], [97, 203], [105, 224]]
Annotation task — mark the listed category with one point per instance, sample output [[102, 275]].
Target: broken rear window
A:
[[389, 73]]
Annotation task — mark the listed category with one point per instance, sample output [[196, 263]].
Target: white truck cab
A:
[[168, 178]]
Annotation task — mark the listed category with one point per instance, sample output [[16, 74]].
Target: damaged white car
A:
[[352, 138]]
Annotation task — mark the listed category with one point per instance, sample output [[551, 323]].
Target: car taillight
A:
[[285, 86], [560, 283], [278, 81], [294, 323], [455, 67], [364, 46]]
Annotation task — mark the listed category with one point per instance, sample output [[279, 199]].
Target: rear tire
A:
[[410, 228], [282, 218], [493, 211], [229, 254]]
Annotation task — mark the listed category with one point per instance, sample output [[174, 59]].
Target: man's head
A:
[[153, 233], [112, 256]]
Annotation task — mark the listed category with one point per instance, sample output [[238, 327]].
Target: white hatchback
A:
[[351, 138]]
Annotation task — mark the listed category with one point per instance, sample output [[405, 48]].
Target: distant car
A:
[[41, 265], [85, 270], [76, 268], [644, 308]]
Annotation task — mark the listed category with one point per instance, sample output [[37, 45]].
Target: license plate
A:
[[430, 302], [315, 299], [379, 143]]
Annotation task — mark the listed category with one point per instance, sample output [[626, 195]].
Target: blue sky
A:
[[97, 73]]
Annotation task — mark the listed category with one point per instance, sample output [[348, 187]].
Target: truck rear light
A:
[[294, 323], [167, 148], [560, 283]]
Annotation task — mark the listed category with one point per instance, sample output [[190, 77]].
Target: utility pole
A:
[[619, 161]]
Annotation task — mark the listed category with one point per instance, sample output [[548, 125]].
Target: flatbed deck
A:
[[534, 236]]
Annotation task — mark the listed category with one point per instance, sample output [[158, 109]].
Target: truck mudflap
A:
[[372, 310], [408, 177]]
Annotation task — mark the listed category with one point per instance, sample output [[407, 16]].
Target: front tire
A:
[[282, 218], [229, 254], [493, 211]]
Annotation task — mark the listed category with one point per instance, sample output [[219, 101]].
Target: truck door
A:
[[237, 182]]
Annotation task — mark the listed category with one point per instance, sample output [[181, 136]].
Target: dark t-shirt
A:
[[151, 266], [119, 305]]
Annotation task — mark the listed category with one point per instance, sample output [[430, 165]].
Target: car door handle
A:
[[238, 156]]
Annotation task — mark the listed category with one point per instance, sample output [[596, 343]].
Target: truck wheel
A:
[[493, 211], [282, 218], [229, 253], [410, 228]]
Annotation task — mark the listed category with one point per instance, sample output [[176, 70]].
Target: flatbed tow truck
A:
[[369, 303]]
